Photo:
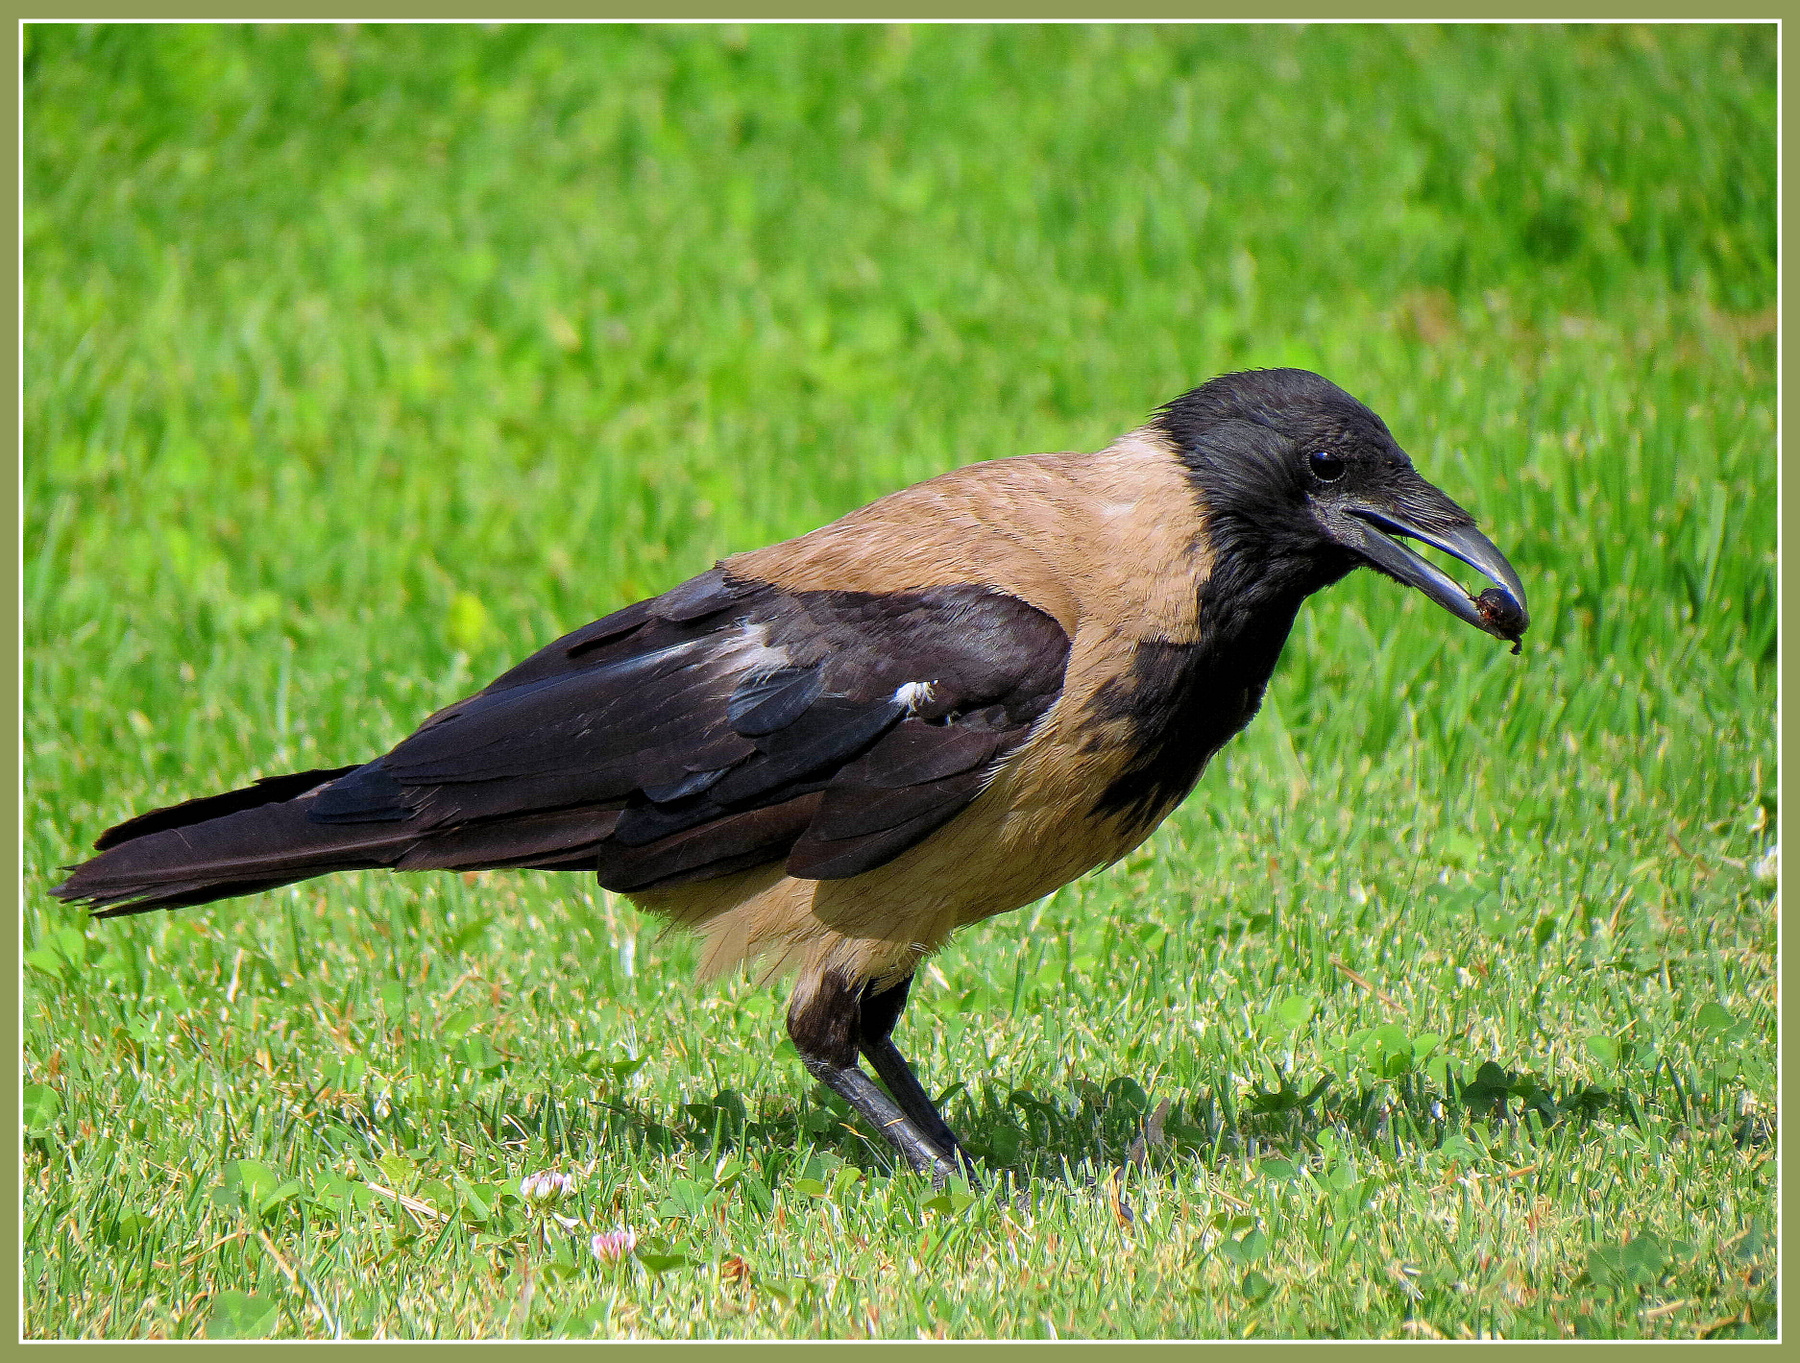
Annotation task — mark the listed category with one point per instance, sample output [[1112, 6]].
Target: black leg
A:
[[824, 1025], [875, 1037]]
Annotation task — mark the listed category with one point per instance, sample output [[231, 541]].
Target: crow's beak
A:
[[1501, 614]]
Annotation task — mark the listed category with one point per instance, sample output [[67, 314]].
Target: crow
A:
[[831, 754]]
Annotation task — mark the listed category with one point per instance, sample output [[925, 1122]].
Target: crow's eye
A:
[[1327, 468]]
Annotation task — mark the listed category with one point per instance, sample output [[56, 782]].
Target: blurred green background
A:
[[361, 360]]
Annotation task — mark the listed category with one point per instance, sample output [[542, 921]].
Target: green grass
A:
[[361, 361]]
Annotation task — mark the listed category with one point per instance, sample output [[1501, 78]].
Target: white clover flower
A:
[[1768, 866], [545, 1189]]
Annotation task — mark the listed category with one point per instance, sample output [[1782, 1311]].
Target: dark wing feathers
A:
[[701, 596], [723, 725], [761, 705], [734, 843], [811, 859], [816, 858], [559, 723], [522, 841], [688, 783], [854, 811], [916, 751], [827, 734], [367, 794]]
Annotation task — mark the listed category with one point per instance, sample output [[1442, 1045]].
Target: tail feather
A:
[[266, 836], [268, 790], [239, 842], [185, 896]]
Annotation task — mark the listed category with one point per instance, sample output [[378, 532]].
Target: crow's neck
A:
[[1183, 701]]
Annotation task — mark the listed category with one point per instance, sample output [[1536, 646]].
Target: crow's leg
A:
[[824, 1023], [875, 1036]]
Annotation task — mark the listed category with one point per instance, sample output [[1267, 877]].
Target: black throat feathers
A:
[[1182, 702]]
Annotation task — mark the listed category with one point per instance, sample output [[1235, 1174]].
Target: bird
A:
[[828, 756]]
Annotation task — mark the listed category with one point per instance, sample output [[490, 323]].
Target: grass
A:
[[362, 360]]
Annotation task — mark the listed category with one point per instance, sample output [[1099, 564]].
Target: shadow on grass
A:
[[1077, 1132]]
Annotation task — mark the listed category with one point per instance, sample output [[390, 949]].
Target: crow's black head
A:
[[1300, 483]]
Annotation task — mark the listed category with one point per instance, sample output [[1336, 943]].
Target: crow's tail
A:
[[219, 846]]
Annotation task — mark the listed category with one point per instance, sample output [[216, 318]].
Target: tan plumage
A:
[[828, 755]]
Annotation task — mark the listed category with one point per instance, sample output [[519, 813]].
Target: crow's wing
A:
[[725, 724]]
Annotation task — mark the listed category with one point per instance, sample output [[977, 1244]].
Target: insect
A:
[[1502, 614]]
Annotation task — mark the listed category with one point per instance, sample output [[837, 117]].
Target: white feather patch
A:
[[914, 694], [748, 652]]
